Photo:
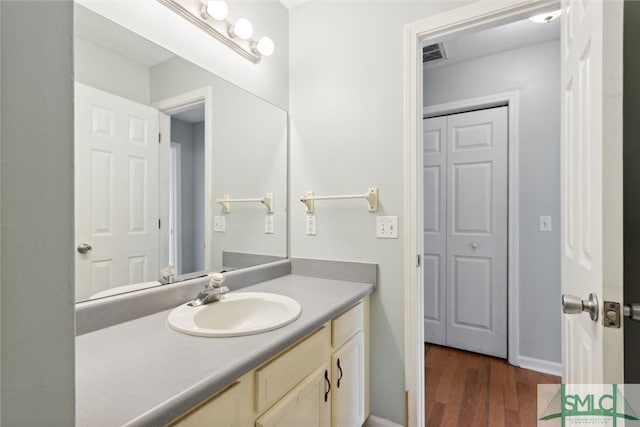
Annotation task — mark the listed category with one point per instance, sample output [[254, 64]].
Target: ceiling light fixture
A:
[[211, 17], [545, 18]]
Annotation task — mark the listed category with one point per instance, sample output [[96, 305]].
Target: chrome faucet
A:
[[212, 292]]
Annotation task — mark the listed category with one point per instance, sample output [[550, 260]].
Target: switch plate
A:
[[219, 223], [310, 225], [387, 227], [544, 223], [268, 224]]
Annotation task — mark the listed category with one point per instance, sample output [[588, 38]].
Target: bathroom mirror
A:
[[161, 145]]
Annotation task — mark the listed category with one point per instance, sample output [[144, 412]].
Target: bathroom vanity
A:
[[139, 372]]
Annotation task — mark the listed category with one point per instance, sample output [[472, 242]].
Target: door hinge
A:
[[158, 223], [418, 260], [159, 137]]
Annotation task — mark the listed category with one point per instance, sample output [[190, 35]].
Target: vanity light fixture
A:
[[545, 18], [264, 46], [243, 29], [211, 17], [214, 9]]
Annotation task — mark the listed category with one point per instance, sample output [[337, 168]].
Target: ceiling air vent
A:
[[433, 52]]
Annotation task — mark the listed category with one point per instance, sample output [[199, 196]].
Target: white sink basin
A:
[[237, 314]]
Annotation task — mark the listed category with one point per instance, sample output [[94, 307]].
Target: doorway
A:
[[186, 189], [465, 19]]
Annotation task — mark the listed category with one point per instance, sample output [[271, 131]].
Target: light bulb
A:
[[242, 29], [545, 18], [215, 9], [265, 46]]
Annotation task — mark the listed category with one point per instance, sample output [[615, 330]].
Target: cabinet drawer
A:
[[347, 325], [277, 377]]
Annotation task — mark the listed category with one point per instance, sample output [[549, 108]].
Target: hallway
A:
[[468, 389]]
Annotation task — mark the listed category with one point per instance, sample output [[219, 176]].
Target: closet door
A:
[[435, 228], [477, 231]]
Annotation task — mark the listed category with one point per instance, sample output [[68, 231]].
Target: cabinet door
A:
[[349, 382], [307, 405], [232, 407]]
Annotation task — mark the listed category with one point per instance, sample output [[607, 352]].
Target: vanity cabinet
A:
[[321, 381], [349, 382], [307, 405], [231, 407]]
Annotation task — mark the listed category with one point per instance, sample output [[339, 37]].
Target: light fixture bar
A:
[[242, 47]]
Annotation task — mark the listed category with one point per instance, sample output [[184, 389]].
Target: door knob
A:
[[632, 311], [574, 305], [84, 248]]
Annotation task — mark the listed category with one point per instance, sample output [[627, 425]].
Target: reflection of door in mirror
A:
[[116, 181], [186, 184]]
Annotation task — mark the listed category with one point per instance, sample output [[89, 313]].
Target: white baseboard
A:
[[540, 365], [374, 421]]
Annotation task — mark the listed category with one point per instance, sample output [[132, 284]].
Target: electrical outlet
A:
[[387, 227], [219, 223], [310, 225], [268, 224], [544, 223]]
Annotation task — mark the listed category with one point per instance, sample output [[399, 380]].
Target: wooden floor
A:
[[469, 389]]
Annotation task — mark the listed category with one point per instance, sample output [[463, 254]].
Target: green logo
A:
[[586, 404]]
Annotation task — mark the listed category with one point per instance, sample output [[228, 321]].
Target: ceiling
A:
[[191, 114], [290, 4], [494, 40], [99, 30]]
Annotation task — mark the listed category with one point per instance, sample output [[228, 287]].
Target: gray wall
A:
[[191, 139], [249, 149], [103, 69], [269, 79], [534, 72], [631, 118], [346, 109], [37, 359]]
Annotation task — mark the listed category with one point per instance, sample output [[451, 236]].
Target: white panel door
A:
[[477, 231], [116, 191], [465, 230], [435, 228], [592, 246]]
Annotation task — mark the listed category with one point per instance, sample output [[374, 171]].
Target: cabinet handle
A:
[[328, 389], [340, 370]]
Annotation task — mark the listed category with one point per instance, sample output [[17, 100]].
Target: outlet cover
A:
[[310, 225], [219, 224], [387, 227], [268, 224]]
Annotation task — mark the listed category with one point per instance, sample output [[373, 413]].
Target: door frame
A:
[[167, 106], [511, 100], [473, 17], [175, 174]]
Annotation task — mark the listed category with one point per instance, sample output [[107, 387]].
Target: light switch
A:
[[268, 224], [219, 223], [310, 225], [387, 227], [544, 223]]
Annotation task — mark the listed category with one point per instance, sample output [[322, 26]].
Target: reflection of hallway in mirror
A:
[[471, 389], [187, 201]]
